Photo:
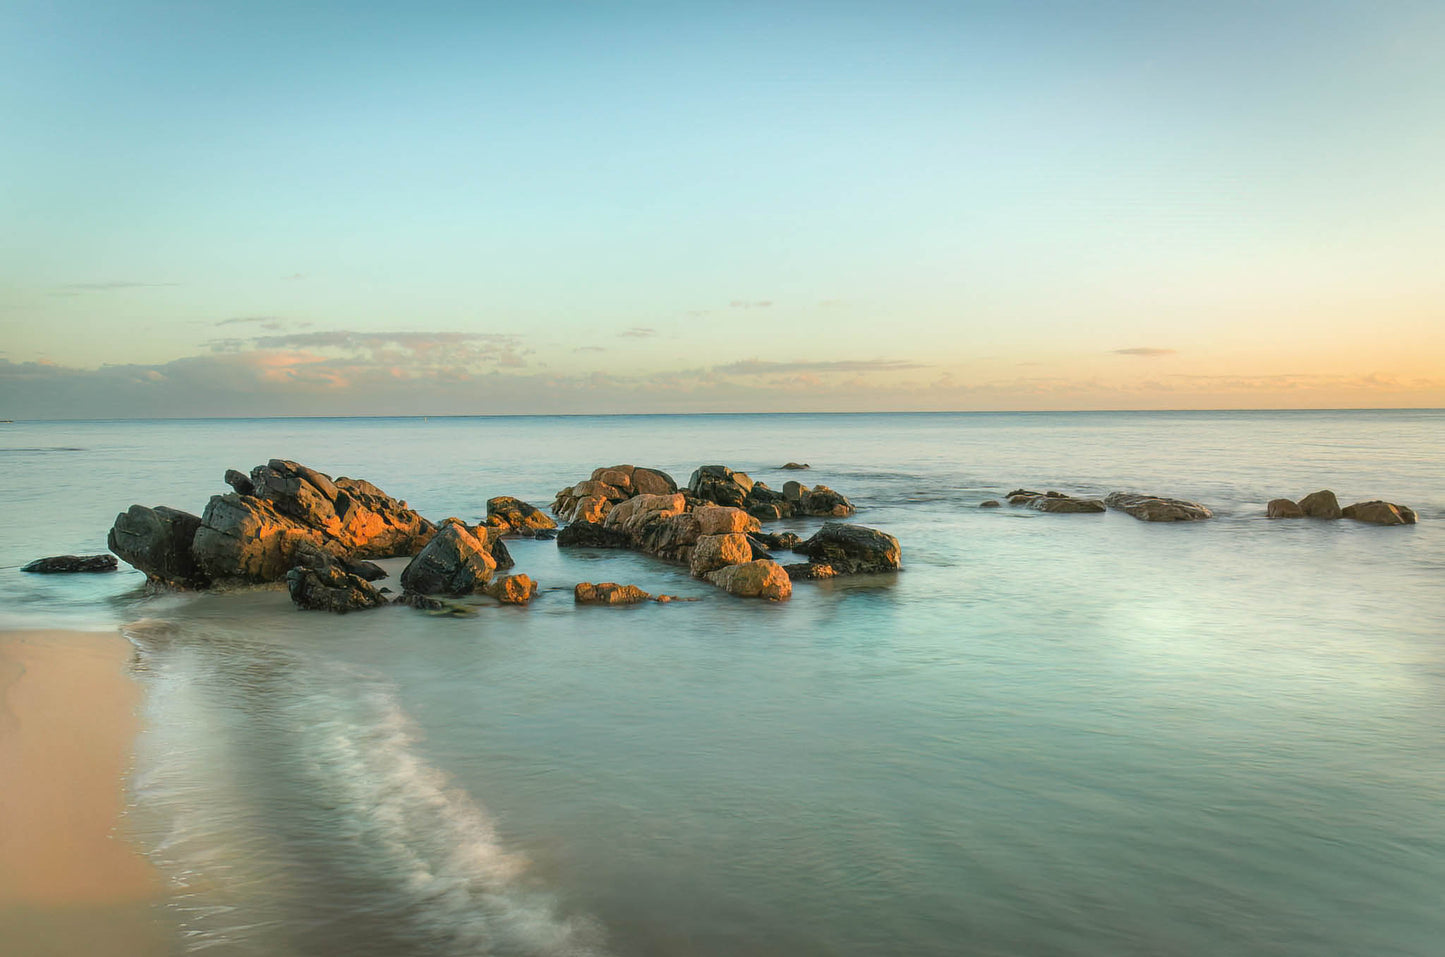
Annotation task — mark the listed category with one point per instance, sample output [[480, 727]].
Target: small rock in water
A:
[[1379, 513], [758, 579], [795, 466], [1155, 508], [331, 589], [512, 589], [1321, 504], [1283, 508], [991, 503], [66, 564], [608, 593]]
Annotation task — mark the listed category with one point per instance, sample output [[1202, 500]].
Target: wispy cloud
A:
[[764, 367], [114, 285], [638, 332], [750, 304], [1144, 352]]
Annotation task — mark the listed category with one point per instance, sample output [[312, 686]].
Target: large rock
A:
[[759, 579], [1379, 513], [244, 537], [671, 539], [331, 589], [516, 517], [455, 562], [158, 542], [823, 502], [1154, 508], [592, 499], [652, 482], [722, 520], [1283, 508], [715, 551], [851, 549], [608, 593], [720, 485], [1321, 504], [512, 589], [67, 564], [641, 510]]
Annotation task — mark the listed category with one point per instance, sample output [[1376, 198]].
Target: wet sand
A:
[[70, 883]]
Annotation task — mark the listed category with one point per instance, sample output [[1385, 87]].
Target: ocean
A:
[[1047, 735]]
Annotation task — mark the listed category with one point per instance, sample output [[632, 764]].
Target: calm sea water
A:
[[1051, 734]]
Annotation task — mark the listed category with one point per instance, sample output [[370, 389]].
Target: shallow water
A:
[[1051, 734]]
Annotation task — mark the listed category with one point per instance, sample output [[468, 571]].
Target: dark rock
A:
[[652, 482], [500, 553], [1283, 508], [794, 491], [440, 607], [243, 537], [591, 535], [765, 511], [516, 517], [158, 542], [778, 540], [455, 562], [794, 467], [66, 564], [1058, 502], [368, 571], [759, 550], [851, 549], [1153, 508], [809, 571], [672, 538], [823, 502], [720, 485], [991, 503], [1321, 504], [1380, 513], [331, 589], [240, 481], [608, 593]]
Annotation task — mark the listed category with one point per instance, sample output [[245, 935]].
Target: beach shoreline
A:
[[70, 882]]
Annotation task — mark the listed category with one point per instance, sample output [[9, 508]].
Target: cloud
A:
[[266, 322], [589, 349], [1144, 352], [637, 332], [763, 367], [746, 304], [76, 288]]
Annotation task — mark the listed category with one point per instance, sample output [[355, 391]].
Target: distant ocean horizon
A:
[[1079, 735]]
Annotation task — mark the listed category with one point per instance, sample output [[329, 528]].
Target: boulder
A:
[[990, 503], [759, 579], [809, 571], [1283, 508], [794, 466], [454, 562], [495, 545], [823, 502], [240, 481], [1321, 504], [158, 542], [331, 589], [608, 593], [720, 485], [245, 538], [715, 551], [591, 535], [512, 589], [721, 520], [777, 540], [852, 549], [1058, 502], [1379, 513], [652, 482], [672, 538], [1154, 508], [66, 564], [516, 517], [794, 491], [640, 510]]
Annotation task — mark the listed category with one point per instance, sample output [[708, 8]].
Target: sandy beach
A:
[[70, 883]]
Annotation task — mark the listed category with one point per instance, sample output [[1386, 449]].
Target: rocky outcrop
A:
[[329, 588], [591, 500], [721, 485], [608, 593], [515, 517], [1380, 513], [592, 535], [68, 564], [716, 551], [1321, 504], [512, 589], [1053, 502], [158, 542], [852, 549], [755, 579], [455, 562], [1283, 508], [1154, 508]]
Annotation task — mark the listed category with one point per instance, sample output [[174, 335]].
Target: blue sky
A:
[[670, 207]]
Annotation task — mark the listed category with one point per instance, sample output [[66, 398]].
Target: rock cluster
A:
[[723, 486], [1050, 501], [515, 517], [592, 499], [1324, 504]]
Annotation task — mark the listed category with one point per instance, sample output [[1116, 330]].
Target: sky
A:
[[470, 208]]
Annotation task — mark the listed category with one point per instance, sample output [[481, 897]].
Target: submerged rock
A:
[[1154, 508], [1283, 508], [1058, 502], [516, 517], [852, 549], [455, 562], [795, 466], [755, 579], [1321, 504], [331, 589], [608, 593], [809, 571], [158, 541], [68, 564], [1380, 513], [990, 503]]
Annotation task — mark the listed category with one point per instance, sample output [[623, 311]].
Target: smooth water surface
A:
[[1050, 734]]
